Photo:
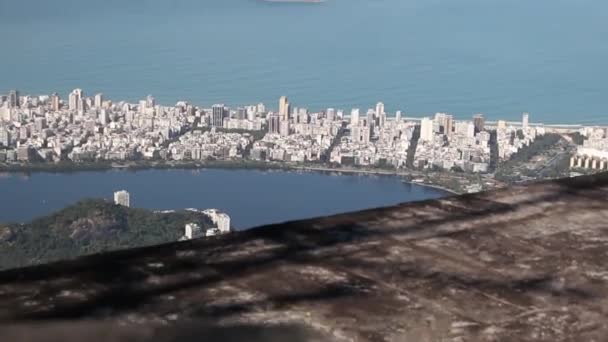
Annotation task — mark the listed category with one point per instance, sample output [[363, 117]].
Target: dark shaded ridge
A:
[[456, 259]]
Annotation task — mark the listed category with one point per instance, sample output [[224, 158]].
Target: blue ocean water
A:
[[498, 57], [251, 198]]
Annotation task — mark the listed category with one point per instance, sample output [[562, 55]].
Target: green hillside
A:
[[87, 227]]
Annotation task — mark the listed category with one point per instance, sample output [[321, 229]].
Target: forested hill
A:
[[88, 227]]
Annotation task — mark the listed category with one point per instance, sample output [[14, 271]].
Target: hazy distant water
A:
[[251, 198], [499, 57]]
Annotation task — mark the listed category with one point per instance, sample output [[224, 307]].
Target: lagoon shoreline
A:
[[407, 176]]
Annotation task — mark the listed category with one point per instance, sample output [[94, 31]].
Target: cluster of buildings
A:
[[192, 230], [375, 139], [295, 135], [220, 219], [428, 143], [467, 145], [202, 145], [511, 139], [593, 154], [447, 144], [291, 148], [87, 129]]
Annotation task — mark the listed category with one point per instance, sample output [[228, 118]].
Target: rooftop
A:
[[526, 263]]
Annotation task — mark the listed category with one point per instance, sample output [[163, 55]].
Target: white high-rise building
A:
[[379, 108], [371, 117], [354, 117], [76, 101], [150, 101], [72, 101], [283, 108], [220, 219], [302, 116], [381, 114], [122, 197], [55, 102], [330, 114], [465, 128], [251, 111], [98, 100], [223, 223], [360, 134], [5, 114], [398, 116], [525, 120], [143, 105], [103, 117], [261, 108], [192, 231], [426, 129], [5, 137], [445, 123], [284, 128], [355, 133], [366, 133]]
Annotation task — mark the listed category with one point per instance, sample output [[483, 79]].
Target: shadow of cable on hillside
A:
[[119, 281]]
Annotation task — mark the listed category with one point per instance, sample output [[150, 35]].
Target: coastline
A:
[[69, 167], [380, 173]]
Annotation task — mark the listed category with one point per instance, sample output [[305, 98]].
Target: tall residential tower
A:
[[480, 122], [284, 108], [525, 120], [218, 115], [123, 198], [76, 101], [13, 99]]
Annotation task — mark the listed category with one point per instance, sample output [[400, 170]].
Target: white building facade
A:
[[123, 198]]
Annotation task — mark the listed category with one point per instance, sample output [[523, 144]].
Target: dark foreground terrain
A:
[[521, 264]]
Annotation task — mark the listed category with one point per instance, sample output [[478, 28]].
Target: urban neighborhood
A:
[[47, 129]]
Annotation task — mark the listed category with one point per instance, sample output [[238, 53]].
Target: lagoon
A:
[[251, 197]]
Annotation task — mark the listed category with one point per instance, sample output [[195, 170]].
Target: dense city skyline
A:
[[65, 95], [89, 128]]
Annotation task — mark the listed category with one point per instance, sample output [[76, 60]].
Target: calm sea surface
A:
[[251, 198], [499, 57]]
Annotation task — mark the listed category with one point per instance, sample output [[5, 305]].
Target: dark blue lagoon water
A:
[[251, 198], [498, 57]]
